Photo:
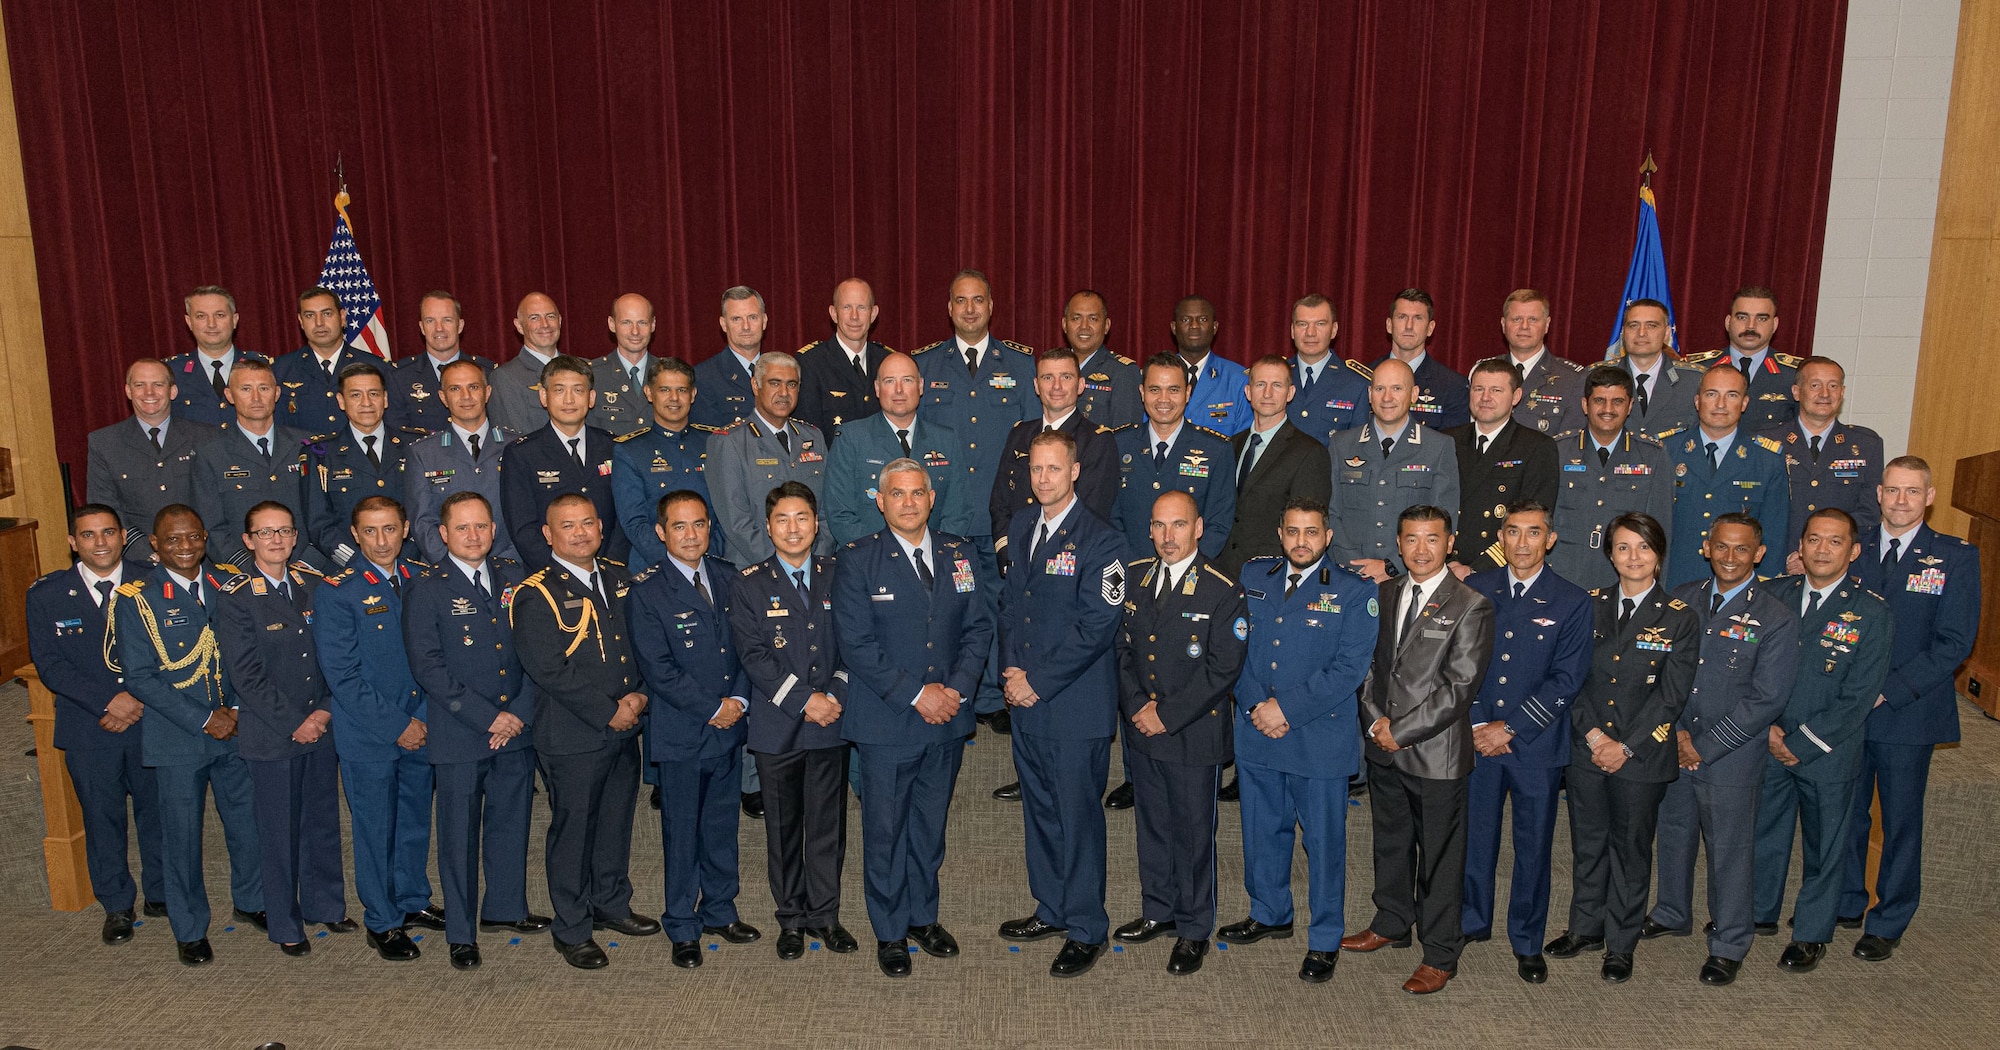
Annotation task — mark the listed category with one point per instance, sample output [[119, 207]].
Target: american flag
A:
[[347, 276]]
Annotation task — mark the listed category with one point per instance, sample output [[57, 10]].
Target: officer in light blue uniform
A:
[[461, 455], [897, 432], [1195, 459], [1721, 468], [309, 377], [363, 458], [1216, 396], [669, 454], [1373, 484], [201, 375]]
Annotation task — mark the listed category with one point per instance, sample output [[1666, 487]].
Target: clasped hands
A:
[[1014, 684], [630, 707]]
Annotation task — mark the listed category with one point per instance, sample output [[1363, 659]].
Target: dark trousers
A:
[[1173, 813], [988, 698], [699, 799], [1611, 824], [389, 811], [298, 826], [805, 833], [905, 796], [104, 779], [1534, 792], [1419, 826], [1276, 806], [1901, 773], [183, 804], [1062, 814], [1722, 817], [482, 815], [1821, 811], [589, 853]]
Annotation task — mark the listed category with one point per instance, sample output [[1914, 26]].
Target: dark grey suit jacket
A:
[[1296, 464], [1425, 686]]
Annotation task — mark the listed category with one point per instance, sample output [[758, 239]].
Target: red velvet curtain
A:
[[1250, 152]]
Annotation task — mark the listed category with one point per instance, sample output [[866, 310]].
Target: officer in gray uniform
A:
[[1663, 386], [1551, 386], [1603, 470], [145, 464], [762, 451], [1381, 467], [620, 376], [517, 385], [463, 455]]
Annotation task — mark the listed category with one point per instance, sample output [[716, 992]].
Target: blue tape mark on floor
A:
[[321, 933], [913, 949], [714, 947], [611, 944], [815, 946], [1117, 947], [1014, 948], [229, 929], [513, 940], [1354, 802], [1221, 947]]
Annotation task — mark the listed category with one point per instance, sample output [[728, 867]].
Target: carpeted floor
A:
[[66, 989]]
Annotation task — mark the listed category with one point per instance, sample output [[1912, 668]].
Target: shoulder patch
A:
[[1021, 347], [926, 348], [1769, 444], [1360, 369], [132, 589], [1705, 357], [1123, 360], [235, 583], [1789, 360], [1676, 603], [623, 438]]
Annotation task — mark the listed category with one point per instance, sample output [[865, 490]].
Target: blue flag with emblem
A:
[[1646, 278], [347, 276]]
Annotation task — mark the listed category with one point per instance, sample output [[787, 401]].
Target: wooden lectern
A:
[[1976, 491]]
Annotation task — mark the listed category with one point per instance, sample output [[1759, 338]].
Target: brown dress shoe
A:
[[1369, 940], [1426, 980]]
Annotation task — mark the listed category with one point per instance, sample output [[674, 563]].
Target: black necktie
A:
[[632, 376], [1309, 378], [1160, 456], [1387, 444], [395, 583], [805, 593], [1603, 457], [264, 446], [1715, 604], [923, 563], [860, 369], [1482, 441], [103, 592], [1625, 614], [327, 368], [1519, 589], [1292, 583], [1249, 459], [1041, 537], [479, 583], [1410, 608], [374, 457], [1714, 460], [216, 380], [1812, 604], [702, 589], [971, 361], [194, 591], [1815, 448], [154, 433], [576, 450], [903, 438], [474, 440], [1744, 364], [1889, 559], [1639, 384], [784, 441], [285, 589], [597, 588]]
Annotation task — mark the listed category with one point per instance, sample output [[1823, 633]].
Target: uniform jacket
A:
[[231, 476], [982, 407], [461, 648], [274, 675], [441, 464], [66, 630], [722, 393], [1184, 651], [745, 462], [1294, 465], [688, 659], [830, 393], [1637, 476], [307, 397], [1750, 479], [1218, 399], [787, 658], [128, 474], [853, 467], [1749, 658], [537, 468], [576, 650], [339, 476], [1369, 491], [413, 392], [1198, 463], [1110, 393], [1444, 398], [1551, 395], [1771, 403], [164, 643], [1336, 400], [358, 625], [1845, 475], [1309, 652], [1639, 682], [198, 401], [1426, 684], [1518, 464], [1541, 655], [649, 463], [621, 406], [1059, 614], [516, 398], [1844, 652], [1671, 405], [1096, 484], [896, 637], [1934, 596]]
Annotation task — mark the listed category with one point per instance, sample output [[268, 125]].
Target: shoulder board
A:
[[705, 428], [623, 438], [1360, 369], [1205, 430], [321, 438], [226, 568], [502, 561], [808, 346], [1769, 444], [752, 570], [1676, 603], [235, 583], [1959, 539], [1012, 345], [1116, 430], [1102, 429], [609, 561], [1357, 575], [1123, 360], [132, 589], [340, 577], [1648, 439], [927, 347], [1259, 561], [534, 579], [414, 432], [416, 563], [1669, 432], [1218, 574], [1873, 595], [1788, 360], [1567, 363], [1705, 357], [852, 543], [1136, 562], [311, 571], [1565, 435], [1597, 592], [646, 574]]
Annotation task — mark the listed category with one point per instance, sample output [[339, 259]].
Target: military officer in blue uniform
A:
[[416, 384], [1108, 387], [896, 432], [1312, 631], [480, 734], [162, 640], [1058, 623], [263, 627], [1752, 321], [250, 461], [1215, 384], [201, 376], [570, 632], [462, 455], [1171, 451], [363, 458], [1441, 398], [1829, 463], [309, 377], [1663, 385], [142, 464], [1332, 393], [1387, 464], [1552, 387], [1748, 661], [1845, 641], [1180, 643], [1605, 469], [1721, 468], [798, 692], [1057, 381], [1520, 727], [915, 632], [837, 375], [678, 611], [565, 455], [383, 719], [97, 717], [668, 455], [1931, 582], [723, 384], [620, 375]]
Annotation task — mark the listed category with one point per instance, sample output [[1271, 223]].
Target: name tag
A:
[[373, 609], [881, 597], [1437, 634], [768, 613], [767, 462], [1575, 468], [235, 473]]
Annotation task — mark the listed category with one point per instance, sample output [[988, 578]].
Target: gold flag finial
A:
[[1646, 171]]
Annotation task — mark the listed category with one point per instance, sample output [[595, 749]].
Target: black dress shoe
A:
[[1569, 945], [1801, 956], [1075, 959], [464, 957], [1186, 957], [791, 944], [1357, 789], [1141, 930], [393, 945], [1031, 928], [1480, 937], [1650, 929], [1764, 929], [1250, 931], [999, 721], [734, 933], [1318, 967], [342, 925], [893, 957], [935, 940], [585, 954], [1719, 971], [117, 926], [1228, 793], [1617, 968], [1845, 922], [687, 954], [297, 949], [753, 805], [430, 918], [1871, 948], [529, 923], [1533, 968], [836, 938], [194, 953], [1008, 792], [1120, 797], [254, 918], [655, 800], [158, 910], [630, 926]]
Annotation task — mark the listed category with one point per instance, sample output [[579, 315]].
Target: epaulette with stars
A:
[[752, 569], [623, 438], [340, 577], [645, 574], [299, 566], [926, 348], [1206, 430], [1018, 347]]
